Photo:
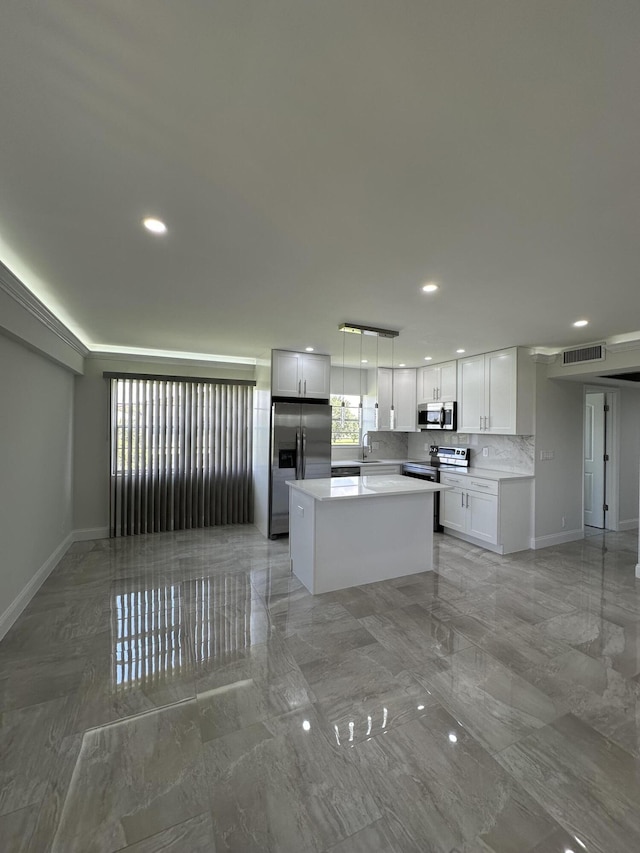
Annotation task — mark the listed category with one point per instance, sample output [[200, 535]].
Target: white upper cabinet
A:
[[300, 374], [404, 398], [397, 386], [437, 383], [496, 393]]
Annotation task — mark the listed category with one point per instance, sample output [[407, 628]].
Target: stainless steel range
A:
[[445, 457]]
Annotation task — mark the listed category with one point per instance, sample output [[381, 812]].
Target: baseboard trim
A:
[[87, 533], [23, 598], [557, 538], [629, 524], [20, 602]]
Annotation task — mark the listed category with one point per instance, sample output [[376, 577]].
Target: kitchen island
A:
[[348, 531]]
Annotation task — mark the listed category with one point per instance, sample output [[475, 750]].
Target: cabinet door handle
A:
[[305, 387], [467, 500], [480, 485], [299, 387], [462, 499], [480, 421]]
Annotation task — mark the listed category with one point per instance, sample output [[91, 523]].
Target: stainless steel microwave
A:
[[437, 416]]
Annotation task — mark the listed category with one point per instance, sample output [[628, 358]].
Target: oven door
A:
[[432, 478]]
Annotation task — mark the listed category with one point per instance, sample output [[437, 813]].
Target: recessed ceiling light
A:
[[430, 287], [428, 358], [156, 226], [308, 349], [402, 365], [581, 323], [459, 350], [364, 361]]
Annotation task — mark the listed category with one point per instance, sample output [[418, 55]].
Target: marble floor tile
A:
[[16, 829], [446, 792], [184, 692], [265, 682], [133, 778], [30, 739], [280, 786], [586, 782], [364, 692], [194, 835], [414, 635], [498, 706], [594, 692]]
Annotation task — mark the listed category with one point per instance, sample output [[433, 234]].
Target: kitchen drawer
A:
[[454, 480], [478, 484], [380, 469]]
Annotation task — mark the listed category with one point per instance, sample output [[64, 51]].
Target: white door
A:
[[500, 391], [471, 394], [594, 464], [448, 382], [453, 512], [316, 376], [482, 520]]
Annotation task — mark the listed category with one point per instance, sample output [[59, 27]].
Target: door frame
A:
[[612, 448]]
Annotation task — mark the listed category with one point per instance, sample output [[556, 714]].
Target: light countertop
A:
[[368, 486], [487, 473]]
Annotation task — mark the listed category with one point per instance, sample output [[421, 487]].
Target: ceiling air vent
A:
[[594, 352]]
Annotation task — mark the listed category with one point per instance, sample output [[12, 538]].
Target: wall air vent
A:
[[594, 352]]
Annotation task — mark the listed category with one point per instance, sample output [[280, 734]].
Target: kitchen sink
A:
[[369, 462]]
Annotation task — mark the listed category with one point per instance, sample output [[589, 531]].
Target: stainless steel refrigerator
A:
[[300, 450]]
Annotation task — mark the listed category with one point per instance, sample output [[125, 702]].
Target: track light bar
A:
[[358, 329]]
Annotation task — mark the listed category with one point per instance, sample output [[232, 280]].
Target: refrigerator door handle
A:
[[304, 453], [298, 456]]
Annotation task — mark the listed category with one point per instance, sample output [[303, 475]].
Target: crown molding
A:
[[623, 346], [14, 288], [106, 355], [544, 357]]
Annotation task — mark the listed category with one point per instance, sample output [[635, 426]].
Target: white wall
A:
[[36, 449], [629, 460], [91, 451], [558, 481]]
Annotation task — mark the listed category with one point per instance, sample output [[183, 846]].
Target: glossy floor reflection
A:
[[184, 693]]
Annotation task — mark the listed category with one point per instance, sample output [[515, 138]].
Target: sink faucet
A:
[[366, 446]]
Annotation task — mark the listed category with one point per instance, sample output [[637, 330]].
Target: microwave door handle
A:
[[442, 417]]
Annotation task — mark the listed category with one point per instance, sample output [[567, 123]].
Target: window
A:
[[346, 421], [180, 453]]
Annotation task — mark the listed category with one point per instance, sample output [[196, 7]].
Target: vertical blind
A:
[[180, 454]]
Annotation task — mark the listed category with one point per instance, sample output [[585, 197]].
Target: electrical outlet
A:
[[564, 522], [545, 455], [485, 451]]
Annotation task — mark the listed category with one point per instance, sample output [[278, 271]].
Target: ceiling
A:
[[317, 162]]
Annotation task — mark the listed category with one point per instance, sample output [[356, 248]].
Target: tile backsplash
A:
[[505, 452], [514, 453], [389, 445]]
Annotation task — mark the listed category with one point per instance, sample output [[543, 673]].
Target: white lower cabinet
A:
[[493, 513]]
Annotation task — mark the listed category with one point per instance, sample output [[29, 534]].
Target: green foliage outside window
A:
[[345, 420]]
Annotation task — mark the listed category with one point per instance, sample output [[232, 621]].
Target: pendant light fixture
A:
[[360, 405], [342, 408], [360, 329], [376, 410], [392, 411]]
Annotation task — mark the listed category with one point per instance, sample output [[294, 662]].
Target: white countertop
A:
[[368, 486], [487, 473]]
